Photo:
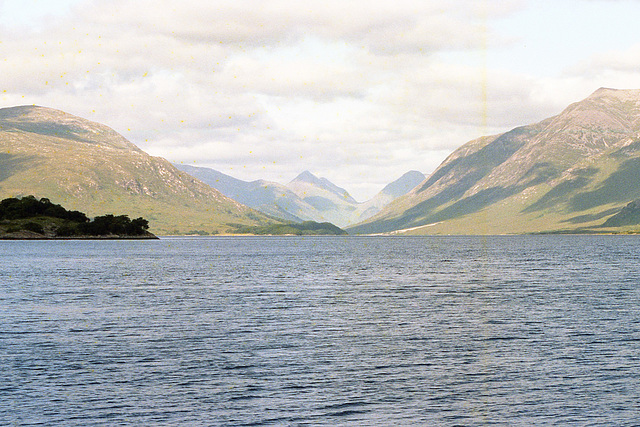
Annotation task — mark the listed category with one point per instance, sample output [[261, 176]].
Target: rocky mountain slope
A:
[[305, 198], [567, 173], [389, 193], [89, 167], [268, 197], [333, 203]]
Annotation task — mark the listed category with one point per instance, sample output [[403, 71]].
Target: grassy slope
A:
[[82, 172], [583, 206], [568, 172]]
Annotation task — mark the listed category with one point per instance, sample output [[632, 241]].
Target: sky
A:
[[358, 91]]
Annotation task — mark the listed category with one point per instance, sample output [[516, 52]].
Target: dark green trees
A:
[[306, 228], [74, 223], [29, 207], [119, 225]]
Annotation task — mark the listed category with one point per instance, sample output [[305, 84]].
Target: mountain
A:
[[389, 193], [305, 198], [402, 185], [567, 173], [267, 197], [333, 203], [308, 185], [89, 167]]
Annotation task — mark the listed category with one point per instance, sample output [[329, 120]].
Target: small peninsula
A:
[[29, 218]]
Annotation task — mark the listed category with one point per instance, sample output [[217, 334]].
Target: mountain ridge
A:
[[56, 123], [306, 197], [90, 167], [307, 177], [572, 172], [508, 182]]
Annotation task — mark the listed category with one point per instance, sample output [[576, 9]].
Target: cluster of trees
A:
[[75, 223], [29, 207], [120, 225], [298, 229]]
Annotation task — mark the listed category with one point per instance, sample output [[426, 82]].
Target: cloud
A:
[[398, 25], [615, 61], [357, 91]]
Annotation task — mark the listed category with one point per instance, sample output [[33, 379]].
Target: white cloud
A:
[[357, 91]]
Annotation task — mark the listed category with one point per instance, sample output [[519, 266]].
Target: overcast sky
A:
[[355, 91]]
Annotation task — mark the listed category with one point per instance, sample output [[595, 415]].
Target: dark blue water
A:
[[441, 331]]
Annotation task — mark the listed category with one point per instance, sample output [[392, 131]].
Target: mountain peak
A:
[[605, 113], [58, 124], [619, 94], [604, 90], [303, 182], [35, 113], [307, 176], [570, 171], [404, 184]]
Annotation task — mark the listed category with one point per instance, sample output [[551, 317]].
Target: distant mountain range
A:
[[574, 172], [578, 171], [306, 197], [89, 167]]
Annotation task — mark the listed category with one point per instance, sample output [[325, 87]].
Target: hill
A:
[[388, 194], [570, 172], [87, 166], [306, 228], [268, 197], [305, 198], [332, 203]]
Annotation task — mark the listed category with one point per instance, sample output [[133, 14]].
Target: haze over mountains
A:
[[306, 197], [569, 172]]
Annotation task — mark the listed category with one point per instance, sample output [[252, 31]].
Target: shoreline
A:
[[26, 235]]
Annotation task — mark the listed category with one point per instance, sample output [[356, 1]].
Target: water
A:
[[440, 331]]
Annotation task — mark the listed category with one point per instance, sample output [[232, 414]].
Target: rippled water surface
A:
[[442, 331]]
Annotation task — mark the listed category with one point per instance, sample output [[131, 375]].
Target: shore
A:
[[30, 235]]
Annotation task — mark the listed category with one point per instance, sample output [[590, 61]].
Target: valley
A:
[[577, 172]]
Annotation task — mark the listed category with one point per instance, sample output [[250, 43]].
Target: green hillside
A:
[[305, 228], [89, 167]]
